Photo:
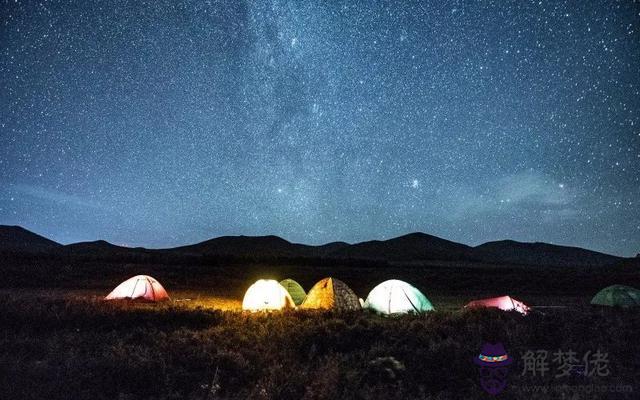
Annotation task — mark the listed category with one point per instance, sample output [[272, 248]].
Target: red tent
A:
[[505, 303], [142, 287]]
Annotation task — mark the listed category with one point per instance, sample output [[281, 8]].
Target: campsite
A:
[[61, 339], [319, 200], [79, 348]]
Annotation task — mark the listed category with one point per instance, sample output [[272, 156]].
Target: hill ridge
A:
[[411, 247]]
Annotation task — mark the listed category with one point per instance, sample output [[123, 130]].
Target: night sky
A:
[[172, 122]]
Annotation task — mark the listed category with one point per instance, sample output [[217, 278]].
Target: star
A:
[[282, 117]]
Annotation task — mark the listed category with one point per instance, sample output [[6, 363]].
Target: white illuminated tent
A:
[[139, 287], [397, 297], [267, 295]]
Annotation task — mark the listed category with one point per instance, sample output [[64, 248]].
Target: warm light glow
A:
[[331, 293], [266, 295]]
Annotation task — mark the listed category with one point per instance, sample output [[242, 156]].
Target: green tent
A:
[[617, 295], [397, 297], [295, 290]]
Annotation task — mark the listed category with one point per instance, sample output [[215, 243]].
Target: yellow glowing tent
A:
[[331, 293], [265, 295]]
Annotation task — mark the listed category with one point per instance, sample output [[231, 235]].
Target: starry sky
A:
[[164, 123]]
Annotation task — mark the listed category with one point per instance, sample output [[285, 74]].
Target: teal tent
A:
[[617, 295], [295, 290], [397, 297]]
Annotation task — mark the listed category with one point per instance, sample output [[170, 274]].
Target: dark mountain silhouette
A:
[[99, 247], [412, 248], [16, 238], [326, 250], [246, 246], [512, 252], [256, 246]]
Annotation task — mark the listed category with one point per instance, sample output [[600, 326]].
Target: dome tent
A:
[[265, 295], [331, 293], [617, 295], [295, 290], [139, 287], [505, 303], [397, 297]]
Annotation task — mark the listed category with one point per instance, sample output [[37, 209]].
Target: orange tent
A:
[[505, 303], [331, 293], [141, 287]]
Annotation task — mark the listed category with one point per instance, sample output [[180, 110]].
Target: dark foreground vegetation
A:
[[58, 340], [82, 348]]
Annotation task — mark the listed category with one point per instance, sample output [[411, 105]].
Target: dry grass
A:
[[70, 344]]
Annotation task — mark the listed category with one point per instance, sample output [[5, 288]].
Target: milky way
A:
[[172, 122]]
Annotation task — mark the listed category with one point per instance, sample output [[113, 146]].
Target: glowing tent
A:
[[397, 297], [295, 290], [140, 287], [617, 295], [505, 303], [331, 293], [265, 295]]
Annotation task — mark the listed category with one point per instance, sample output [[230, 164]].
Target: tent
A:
[[397, 297], [617, 295], [505, 303], [265, 295], [295, 290], [331, 293], [139, 287]]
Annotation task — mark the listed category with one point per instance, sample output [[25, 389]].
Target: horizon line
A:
[[316, 245]]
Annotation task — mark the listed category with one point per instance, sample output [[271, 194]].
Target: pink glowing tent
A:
[[505, 303], [140, 287]]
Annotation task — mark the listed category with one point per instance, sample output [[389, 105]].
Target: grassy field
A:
[[63, 344], [59, 340]]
